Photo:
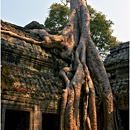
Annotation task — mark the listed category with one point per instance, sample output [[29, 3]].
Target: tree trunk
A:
[[87, 66], [78, 107]]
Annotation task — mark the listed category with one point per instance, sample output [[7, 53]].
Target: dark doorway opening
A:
[[17, 120], [125, 119], [50, 122]]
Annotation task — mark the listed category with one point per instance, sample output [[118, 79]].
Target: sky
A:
[[22, 12]]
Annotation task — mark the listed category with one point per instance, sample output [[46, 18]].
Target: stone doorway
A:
[[50, 122], [125, 119], [17, 120]]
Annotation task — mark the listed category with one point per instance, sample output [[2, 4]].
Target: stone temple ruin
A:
[[31, 88], [117, 67]]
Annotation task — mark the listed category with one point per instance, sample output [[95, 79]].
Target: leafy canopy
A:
[[58, 15], [101, 31]]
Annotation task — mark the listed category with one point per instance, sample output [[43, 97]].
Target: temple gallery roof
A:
[[118, 54], [29, 69]]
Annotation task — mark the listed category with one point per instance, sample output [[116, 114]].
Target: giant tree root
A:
[[76, 44]]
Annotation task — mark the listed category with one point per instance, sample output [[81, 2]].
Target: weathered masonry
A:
[[31, 89], [117, 67]]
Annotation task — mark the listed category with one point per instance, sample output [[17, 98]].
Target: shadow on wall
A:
[[50, 122], [17, 120]]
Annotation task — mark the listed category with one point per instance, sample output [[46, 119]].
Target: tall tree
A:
[[101, 31], [78, 107]]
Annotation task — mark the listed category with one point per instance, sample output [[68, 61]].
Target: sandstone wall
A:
[[29, 77], [117, 67]]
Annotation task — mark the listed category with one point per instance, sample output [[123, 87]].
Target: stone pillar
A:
[[3, 117], [37, 118], [31, 127]]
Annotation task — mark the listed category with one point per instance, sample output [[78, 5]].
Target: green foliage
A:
[[101, 31], [58, 15], [65, 2]]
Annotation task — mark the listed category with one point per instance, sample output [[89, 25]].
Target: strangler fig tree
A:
[[78, 104]]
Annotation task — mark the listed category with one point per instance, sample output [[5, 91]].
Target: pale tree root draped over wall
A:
[[86, 61], [76, 45]]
